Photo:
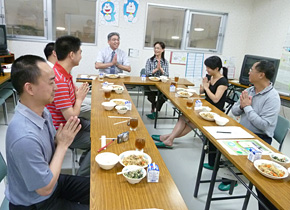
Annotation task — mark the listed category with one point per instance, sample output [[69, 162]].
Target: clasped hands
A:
[[245, 99], [66, 133]]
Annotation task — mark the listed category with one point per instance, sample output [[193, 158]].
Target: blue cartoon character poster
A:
[[109, 12], [130, 10]]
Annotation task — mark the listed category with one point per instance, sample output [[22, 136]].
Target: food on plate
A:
[[138, 160], [183, 93], [113, 76], [154, 78], [207, 115], [119, 103], [134, 174], [271, 170], [280, 159]]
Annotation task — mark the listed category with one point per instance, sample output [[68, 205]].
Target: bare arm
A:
[[63, 138], [219, 93], [123, 67]]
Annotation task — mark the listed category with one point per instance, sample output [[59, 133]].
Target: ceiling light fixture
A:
[[198, 29], [60, 28], [175, 37]]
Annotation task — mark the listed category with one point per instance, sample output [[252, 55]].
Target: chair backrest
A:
[[3, 168], [142, 72], [281, 130]]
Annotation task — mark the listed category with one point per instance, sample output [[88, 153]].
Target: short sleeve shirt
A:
[[64, 95], [213, 88], [29, 150], [105, 56]]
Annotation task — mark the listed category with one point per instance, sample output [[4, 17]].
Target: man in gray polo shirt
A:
[[259, 107], [34, 150]]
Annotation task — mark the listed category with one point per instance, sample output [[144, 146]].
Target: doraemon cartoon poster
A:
[[109, 14], [130, 10]]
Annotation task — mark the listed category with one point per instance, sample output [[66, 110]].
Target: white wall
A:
[[254, 26]]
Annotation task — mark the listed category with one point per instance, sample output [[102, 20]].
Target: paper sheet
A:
[[228, 132], [242, 146]]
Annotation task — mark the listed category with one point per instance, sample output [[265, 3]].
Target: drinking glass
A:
[[140, 144], [107, 93], [176, 78], [133, 123], [189, 103], [101, 77]]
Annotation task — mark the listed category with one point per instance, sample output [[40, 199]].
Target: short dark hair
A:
[[25, 69], [266, 67], [113, 34], [48, 49], [66, 44]]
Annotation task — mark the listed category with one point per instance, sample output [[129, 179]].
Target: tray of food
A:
[[137, 158], [208, 115], [271, 169], [119, 102], [184, 94], [155, 79]]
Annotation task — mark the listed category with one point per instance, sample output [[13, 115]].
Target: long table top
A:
[[109, 191], [276, 191], [4, 78]]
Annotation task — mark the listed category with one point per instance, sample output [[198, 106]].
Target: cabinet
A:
[[6, 59]]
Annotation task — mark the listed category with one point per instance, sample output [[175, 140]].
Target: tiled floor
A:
[[182, 161]]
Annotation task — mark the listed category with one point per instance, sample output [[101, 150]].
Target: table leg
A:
[[199, 173], [213, 178], [246, 201]]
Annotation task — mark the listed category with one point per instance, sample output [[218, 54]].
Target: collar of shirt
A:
[[267, 89], [62, 71], [155, 60], [32, 116]]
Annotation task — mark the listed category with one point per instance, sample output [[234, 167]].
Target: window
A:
[[185, 29], [49, 19], [76, 18], [24, 17]]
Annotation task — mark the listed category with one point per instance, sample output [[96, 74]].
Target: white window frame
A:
[[186, 28], [49, 28]]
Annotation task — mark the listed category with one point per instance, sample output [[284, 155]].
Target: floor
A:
[[182, 161]]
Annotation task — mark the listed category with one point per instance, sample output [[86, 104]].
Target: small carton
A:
[[152, 173], [254, 154]]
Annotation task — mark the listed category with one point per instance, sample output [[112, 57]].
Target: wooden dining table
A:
[[5, 78], [109, 191], [277, 191], [113, 192]]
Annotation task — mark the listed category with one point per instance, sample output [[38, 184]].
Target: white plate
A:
[[202, 109], [184, 94], [155, 79], [190, 90], [259, 162], [115, 87], [133, 152], [279, 155], [180, 89], [112, 76], [119, 102], [202, 114]]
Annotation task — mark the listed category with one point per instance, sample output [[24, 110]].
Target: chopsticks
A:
[[120, 122], [119, 117], [106, 145]]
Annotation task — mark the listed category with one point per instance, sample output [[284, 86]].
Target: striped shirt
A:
[[64, 96]]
